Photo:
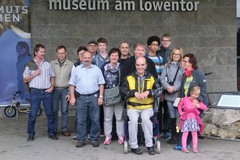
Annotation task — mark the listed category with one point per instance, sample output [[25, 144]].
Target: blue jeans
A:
[[36, 96], [173, 111], [59, 95], [87, 105]]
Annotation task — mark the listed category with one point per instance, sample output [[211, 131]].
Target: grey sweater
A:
[[168, 74]]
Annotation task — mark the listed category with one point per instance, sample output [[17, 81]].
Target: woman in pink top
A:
[[188, 109]]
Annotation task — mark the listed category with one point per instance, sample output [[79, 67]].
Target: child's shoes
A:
[[195, 150], [185, 150]]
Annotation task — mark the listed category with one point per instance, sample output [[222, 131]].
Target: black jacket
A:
[[129, 67]]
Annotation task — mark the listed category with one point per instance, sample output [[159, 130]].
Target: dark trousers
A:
[[36, 97], [163, 117]]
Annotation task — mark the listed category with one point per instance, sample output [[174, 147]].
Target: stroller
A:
[[156, 129]]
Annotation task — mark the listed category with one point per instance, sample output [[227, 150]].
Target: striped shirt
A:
[[157, 60], [41, 81]]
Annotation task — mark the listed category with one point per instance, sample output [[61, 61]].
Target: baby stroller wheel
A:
[[10, 111], [158, 146], [125, 147]]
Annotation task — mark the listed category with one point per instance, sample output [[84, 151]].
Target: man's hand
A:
[[170, 89], [49, 90], [137, 95], [72, 101], [100, 101], [145, 94], [37, 72]]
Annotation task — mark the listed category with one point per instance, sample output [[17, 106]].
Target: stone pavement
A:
[[14, 146]]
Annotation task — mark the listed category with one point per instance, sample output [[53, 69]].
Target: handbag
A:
[[112, 96], [176, 102]]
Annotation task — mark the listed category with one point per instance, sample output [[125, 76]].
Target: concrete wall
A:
[[210, 32]]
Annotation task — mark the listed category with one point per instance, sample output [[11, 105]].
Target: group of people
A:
[[101, 82]]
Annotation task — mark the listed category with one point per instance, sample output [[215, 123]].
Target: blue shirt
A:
[[86, 79], [98, 60]]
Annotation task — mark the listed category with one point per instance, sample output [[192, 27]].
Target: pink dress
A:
[[190, 120]]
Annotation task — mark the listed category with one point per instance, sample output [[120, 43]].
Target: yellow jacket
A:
[[132, 84]]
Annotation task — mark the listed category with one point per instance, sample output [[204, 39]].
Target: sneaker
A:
[[80, 144], [185, 150], [107, 141], [137, 151], [53, 137], [30, 137], [74, 137], [120, 140], [151, 150], [167, 135], [195, 150], [95, 143], [179, 147], [173, 140], [66, 133]]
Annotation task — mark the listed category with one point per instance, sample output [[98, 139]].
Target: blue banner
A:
[[15, 48]]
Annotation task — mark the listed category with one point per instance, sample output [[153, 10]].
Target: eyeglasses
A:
[[176, 54], [166, 40]]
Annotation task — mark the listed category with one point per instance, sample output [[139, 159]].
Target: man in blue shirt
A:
[[88, 81]]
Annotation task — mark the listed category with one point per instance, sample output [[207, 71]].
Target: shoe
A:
[[120, 140], [30, 138], [107, 141], [178, 147], [195, 150], [95, 143], [167, 135], [185, 150], [173, 140], [151, 150], [53, 137], [80, 144], [74, 137], [66, 133], [137, 151]]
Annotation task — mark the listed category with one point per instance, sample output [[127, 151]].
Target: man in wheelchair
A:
[[139, 88]]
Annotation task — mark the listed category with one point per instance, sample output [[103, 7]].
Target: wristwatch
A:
[[101, 96]]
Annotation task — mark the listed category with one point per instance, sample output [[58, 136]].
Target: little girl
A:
[[188, 109]]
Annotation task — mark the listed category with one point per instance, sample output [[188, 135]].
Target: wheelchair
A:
[[156, 128]]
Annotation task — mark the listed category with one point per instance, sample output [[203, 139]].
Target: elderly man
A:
[[88, 81], [138, 89]]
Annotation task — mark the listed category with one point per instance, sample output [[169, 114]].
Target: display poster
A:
[[15, 48]]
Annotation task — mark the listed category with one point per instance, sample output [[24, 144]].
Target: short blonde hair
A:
[[195, 89]]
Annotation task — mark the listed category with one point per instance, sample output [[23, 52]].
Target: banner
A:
[[15, 44]]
